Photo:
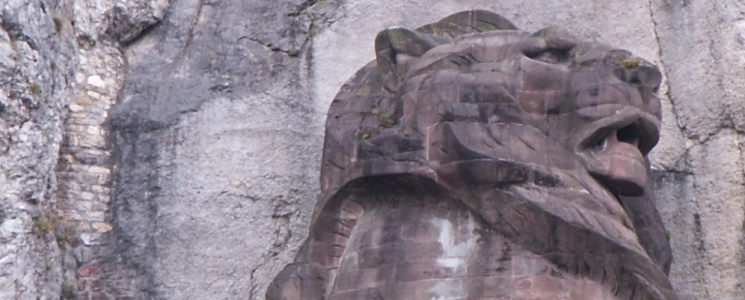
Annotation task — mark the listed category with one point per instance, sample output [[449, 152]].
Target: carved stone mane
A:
[[472, 160]]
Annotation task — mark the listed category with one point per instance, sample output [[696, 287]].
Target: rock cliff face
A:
[[170, 149], [36, 67]]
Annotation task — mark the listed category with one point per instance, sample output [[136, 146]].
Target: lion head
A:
[[544, 98], [511, 124]]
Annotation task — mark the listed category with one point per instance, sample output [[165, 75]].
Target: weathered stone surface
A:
[[540, 137], [698, 163], [706, 200], [97, 20], [37, 54], [203, 204]]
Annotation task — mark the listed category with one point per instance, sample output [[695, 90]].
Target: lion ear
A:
[[394, 47]]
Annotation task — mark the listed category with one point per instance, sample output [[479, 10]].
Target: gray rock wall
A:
[[36, 67], [175, 145]]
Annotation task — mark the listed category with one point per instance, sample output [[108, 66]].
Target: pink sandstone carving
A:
[[472, 160]]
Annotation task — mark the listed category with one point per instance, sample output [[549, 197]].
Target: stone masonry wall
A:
[[84, 170]]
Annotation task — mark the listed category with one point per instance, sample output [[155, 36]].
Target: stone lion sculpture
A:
[[472, 160]]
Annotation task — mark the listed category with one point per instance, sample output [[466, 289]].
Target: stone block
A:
[[90, 239], [75, 108], [89, 270], [83, 255], [102, 227], [96, 81], [99, 296], [99, 170], [83, 101], [95, 216]]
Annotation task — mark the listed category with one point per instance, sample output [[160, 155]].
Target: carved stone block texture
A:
[[472, 160]]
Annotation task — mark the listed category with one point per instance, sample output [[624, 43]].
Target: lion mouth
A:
[[641, 134], [616, 154]]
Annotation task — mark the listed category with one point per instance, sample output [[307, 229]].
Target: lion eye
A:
[[551, 56], [601, 144]]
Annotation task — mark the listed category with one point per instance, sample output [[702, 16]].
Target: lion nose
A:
[[641, 75]]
